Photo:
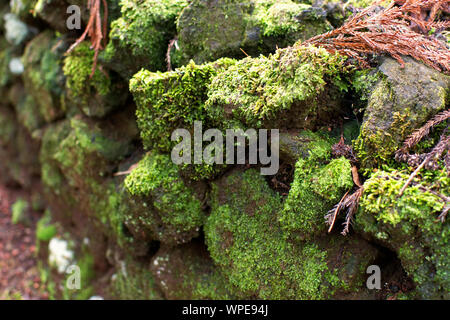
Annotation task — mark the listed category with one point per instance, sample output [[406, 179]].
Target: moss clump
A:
[[171, 100], [284, 88], [164, 204], [246, 242], [407, 224], [139, 38], [96, 95], [288, 21], [43, 76], [317, 187], [45, 231], [77, 158], [87, 149], [19, 211]]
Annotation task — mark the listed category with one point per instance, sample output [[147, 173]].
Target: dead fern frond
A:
[[436, 153], [391, 31], [422, 132], [94, 30], [349, 204]]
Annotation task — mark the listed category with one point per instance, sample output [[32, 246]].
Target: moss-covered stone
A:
[[172, 100], [168, 209], [18, 151], [133, 280], [408, 225], [95, 95], [28, 114], [78, 157], [316, 188], [246, 241], [140, 37], [296, 87], [208, 30], [5, 74], [402, 101], [43, 76], [187, 272]]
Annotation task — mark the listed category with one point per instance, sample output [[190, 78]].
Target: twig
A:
[[437, 150], [336, 211], [94, 30]]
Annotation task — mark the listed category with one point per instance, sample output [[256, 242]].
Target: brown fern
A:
[[392, 31], [419, 134]]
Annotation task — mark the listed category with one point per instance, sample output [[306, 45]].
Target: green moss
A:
[[171, 100], [208, 30], [316, 188], [156, 182], [360, 3], [408, 225], [259, 90], [19, 211], [77, 158], [130, 48], [187, 272], [246, 242], [43, 76], [97, 95], [87, 149], [288, 20], [134, 281], [28, 114], [5, 74], [45, 231]]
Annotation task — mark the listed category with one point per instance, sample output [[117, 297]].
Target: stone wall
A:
[[97, 150]]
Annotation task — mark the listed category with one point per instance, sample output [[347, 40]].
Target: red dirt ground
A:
[[19, 276]]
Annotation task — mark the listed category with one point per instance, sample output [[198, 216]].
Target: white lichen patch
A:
[[60, 256]]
